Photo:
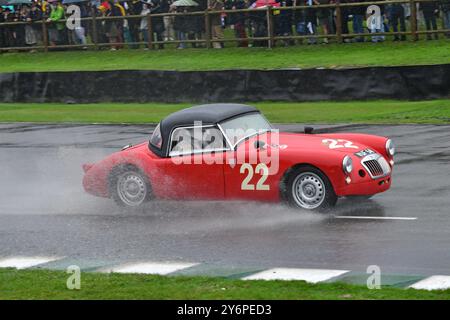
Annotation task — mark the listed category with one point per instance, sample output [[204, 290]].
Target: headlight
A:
[[390, 147], [347, 164]]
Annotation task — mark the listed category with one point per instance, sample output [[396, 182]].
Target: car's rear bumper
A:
[[365, 188]]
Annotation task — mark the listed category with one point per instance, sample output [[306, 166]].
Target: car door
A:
[[251, 172], [194, 169]]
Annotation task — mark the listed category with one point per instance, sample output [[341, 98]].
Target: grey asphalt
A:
[[44, 211]]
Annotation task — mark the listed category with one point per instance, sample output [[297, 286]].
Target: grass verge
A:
[[330, 56], [44, 284], [372, 112]]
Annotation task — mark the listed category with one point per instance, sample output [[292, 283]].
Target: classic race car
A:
[[231, 152]]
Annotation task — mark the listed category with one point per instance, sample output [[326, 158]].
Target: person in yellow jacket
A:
[[56, 28]]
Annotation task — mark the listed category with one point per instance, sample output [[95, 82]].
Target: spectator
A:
[[169, 32], [345, 12], [34, 16], [311, 21], [113, 27], [101, 25], [2, 32], [8, 31], [300, 19], [180, 26], [80, 31], [445, 8], [56, 29], [358, 13], [228, 5], [19, 30], [283, 21], [430, 11], [377, 22], [143, 27], [216, 23], [259, 25], [157, 22], [396, 15], [238, 21], [197, 22], [135, 8], [325, 18]]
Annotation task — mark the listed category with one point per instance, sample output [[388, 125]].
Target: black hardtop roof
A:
[[207, 113]]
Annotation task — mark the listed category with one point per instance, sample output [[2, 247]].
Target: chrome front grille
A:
[[376, 165]]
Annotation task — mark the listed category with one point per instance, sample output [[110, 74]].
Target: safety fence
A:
[[266, 19]]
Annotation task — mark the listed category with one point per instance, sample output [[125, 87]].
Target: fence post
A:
[[269, 15], [412, 4], [338, 22], [44, 35], [149, 32], [207, 29], [94, 29]]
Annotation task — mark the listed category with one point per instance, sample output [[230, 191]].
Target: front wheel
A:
[[129, 187], [309, 188]]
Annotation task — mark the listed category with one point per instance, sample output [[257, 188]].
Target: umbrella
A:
[[185, 3], [265, 3], [16, 2], [73, 1]]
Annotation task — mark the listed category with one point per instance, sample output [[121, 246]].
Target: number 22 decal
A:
[[334, 144], [261, 169]]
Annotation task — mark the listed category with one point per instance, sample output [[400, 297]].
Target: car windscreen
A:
[[239, 128]]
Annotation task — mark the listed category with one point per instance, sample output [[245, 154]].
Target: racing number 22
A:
[[261, 169]]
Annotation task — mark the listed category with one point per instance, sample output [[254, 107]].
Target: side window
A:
[[182, 141], [192, 140], [156, 138], [213, 139]]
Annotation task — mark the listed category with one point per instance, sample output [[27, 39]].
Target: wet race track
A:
[[45, 212]]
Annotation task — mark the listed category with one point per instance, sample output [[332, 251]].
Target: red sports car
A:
[[230, 151]]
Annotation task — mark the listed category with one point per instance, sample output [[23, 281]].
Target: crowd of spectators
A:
[[131, 31]]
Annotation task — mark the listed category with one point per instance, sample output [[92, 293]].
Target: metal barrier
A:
[[266, 16]]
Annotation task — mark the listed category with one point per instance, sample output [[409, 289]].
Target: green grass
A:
[[372, 112], [303, 56], [43, 284]]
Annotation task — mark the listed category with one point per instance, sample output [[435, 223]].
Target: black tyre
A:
[[129, 187], [309, 188]]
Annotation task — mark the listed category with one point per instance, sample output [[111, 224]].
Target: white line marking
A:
[[433, 283], [375, 218], [308, 275], [24, 262], [161, 268]]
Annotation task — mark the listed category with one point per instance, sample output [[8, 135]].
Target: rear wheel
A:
[[129, 187], [309, 188]]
